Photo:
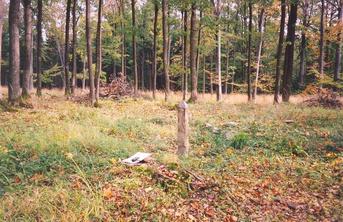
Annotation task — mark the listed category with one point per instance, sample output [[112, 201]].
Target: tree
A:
[[184, 57], [89, 54], [14, 63], [73, 77], [339, 43], [321, 41], [28, 48], [259, 52], [165, 47], [303, 43], [193, 51], [134, 48], [154, 63], [39, 46], [217, 12], [66, 50], [279, 51], [98, 54], [249, 51], [2, 12], [289, 52]]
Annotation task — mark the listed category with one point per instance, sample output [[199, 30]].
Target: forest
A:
[[171, 110]]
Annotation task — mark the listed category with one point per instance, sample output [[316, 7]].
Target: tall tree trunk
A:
[[134, 48], [211, 75], [279, 51], [289, 52], [303, 45], [339, 44], [14, 63], [321, 41], [259, 53], [185, 49], [193, 51], [219, 48], [2, 11], [84, 74], [66, 50], [165, 47], [142, 70], [154, 62], [122, 11], [39, 46], [249, 51], [198, 43], [204, 77], [28, 48], [98, 53], [73, 77], [89, 54]]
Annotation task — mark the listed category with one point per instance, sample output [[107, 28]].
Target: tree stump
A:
[[183, 129]]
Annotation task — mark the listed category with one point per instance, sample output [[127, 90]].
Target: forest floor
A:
[[60, 161]]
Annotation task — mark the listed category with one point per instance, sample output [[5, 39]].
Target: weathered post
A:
[[183, 129]]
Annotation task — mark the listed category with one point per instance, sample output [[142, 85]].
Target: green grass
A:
[[61, 162]]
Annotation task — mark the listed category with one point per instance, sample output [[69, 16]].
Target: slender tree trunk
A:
[[14, 54], [142, 70], [289, 52], [28, 48], [185, 49], [154, 63], [198, 44], [134, 48], [123, 70], [73, 77], [338, 60], [84, 74], [165, 47], [259, 53], [204, 77], [211, 76], [2, 11], [303, 45], [66, 50], [249, 51], [321, 41], [219, 48], [39, 46], [193, 51], [98, 54], [89, 54], [279, 51]]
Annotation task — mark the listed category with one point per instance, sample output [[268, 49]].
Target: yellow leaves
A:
[[69, 156], [229, 151], [107, 193], [3, 150]]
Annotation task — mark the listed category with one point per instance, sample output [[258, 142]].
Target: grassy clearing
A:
[[60, 162]]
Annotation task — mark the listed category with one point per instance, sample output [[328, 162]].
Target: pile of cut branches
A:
[[119, 87], [326, 98]]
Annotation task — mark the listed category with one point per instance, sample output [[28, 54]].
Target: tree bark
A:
[[2, 11], [73, 77], [303, 45], [28, 48], [185, 49], [66, 50], [279, 51], [39, 46], [338, 59], [89, 54], [289, 52], [98, 53], [154, 63], [193, 51], [134, 48], [249, 52], [219, 48], [165, 47], [122, 11], [14, 54], [321, 41], [204, 77], [259, 53], [142, 70]]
